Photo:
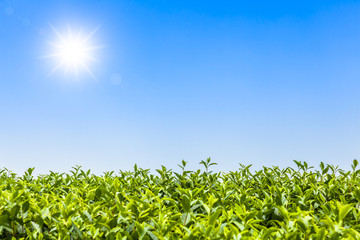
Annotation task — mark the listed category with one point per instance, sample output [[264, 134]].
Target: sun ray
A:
[[56, 45], [73, 51], [91, 33], [67, 68], [89, 71], [95, 48], [57, 33], [55, 68], [77, 72], [92, 59]]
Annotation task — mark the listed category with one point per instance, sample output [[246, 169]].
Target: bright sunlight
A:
[[73, 51]]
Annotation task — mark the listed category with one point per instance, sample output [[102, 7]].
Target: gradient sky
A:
[[251, 82]]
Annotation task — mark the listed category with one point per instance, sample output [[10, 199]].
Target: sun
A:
[[73, 51]]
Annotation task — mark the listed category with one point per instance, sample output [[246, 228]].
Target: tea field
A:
[[272, 203]]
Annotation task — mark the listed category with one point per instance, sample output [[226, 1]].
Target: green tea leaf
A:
[[186, 203]]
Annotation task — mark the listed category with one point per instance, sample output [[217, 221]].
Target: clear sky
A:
[[251, 82]]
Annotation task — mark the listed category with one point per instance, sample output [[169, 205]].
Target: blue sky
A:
[[247, 82]]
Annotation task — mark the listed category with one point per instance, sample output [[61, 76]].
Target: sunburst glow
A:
[[73, 52]]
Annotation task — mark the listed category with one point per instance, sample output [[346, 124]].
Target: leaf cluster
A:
[[271, 203]]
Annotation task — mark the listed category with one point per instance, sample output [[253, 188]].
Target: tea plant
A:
[[272, 203]]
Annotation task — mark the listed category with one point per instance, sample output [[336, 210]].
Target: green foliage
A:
[[272, 203]]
